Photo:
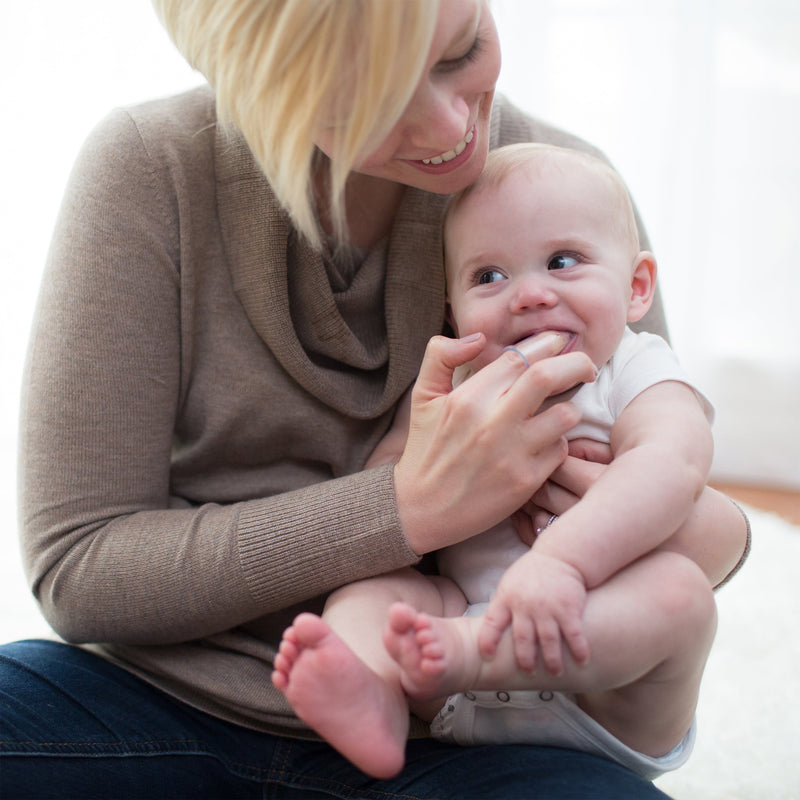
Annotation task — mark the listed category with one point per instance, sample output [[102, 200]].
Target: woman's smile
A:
[[450, 160]]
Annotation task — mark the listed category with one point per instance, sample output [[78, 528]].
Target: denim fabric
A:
[[75, 726]]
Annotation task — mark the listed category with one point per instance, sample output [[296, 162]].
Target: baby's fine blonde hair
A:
[[506, 160], [286, 70]]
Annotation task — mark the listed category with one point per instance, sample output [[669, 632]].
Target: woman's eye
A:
[[562, 261], [490, 276], [470, 56]]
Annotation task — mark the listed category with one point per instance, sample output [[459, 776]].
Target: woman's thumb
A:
[[442, 356]]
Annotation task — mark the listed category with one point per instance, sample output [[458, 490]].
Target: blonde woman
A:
[[242, 284]]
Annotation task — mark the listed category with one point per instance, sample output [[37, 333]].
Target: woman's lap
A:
[[75, 726]]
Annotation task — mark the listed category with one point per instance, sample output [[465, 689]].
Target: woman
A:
[[229, 316]]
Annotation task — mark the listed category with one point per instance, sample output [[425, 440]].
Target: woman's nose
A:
[[437, 118], [532, 292]]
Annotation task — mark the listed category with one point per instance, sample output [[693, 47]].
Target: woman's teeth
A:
[[451, 154]]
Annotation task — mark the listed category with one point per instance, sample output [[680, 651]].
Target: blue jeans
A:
[[73, 725]]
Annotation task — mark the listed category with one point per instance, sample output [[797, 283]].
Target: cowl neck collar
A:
[[357, 348]]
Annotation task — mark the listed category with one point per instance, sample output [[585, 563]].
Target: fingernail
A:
[[473, 337]]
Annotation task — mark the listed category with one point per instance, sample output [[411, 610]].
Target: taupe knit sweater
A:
[[202, 390]]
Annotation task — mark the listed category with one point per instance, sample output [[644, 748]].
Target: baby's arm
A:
[[715, 535], [662, 447]]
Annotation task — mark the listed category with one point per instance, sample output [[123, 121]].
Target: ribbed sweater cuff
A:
[[306, 542]]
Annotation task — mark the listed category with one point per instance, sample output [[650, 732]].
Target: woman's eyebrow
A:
[[469, 26]]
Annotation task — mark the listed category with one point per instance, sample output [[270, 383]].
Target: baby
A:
[[595, 637]]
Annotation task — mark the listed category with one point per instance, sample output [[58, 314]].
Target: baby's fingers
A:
[[524, 637], [577, 642], [495, 622], [549, 634]]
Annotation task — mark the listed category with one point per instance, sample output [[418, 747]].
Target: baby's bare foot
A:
[[341, 698], [430, 651]]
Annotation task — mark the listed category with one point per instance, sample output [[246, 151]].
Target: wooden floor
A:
[[782, 502]]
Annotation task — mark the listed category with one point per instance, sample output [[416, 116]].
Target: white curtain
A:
[[697, 103]]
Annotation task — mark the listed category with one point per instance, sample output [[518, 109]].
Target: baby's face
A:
[[541, 251]]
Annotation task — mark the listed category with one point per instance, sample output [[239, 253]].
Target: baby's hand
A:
[[542, 599]]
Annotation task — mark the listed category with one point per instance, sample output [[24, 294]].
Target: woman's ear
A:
[[643, 285]]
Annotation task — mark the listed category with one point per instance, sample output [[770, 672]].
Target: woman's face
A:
[[440, 142]]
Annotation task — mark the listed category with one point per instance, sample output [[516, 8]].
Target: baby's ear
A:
[[643, 285]]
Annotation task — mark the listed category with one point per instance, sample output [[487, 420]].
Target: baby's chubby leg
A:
[[437, 656], [650, 684], [650, 628], [338, 677]]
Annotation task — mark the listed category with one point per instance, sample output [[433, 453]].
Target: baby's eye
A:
[[562, 261], [490, 276]]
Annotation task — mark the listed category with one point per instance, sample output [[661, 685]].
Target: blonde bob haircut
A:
[[284, 71]]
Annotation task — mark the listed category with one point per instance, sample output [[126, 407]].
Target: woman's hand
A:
[[565, 487], [475, 453]]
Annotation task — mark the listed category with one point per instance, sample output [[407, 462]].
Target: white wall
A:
[[63, 65], [697, 102]]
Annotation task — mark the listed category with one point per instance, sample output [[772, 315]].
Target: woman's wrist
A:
[[411, 517]]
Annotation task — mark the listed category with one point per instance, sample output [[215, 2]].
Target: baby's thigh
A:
[[432, 594], [454, 604]]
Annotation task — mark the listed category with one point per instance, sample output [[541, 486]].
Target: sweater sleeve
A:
[[110, 554]]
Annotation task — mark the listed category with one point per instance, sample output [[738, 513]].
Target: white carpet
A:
[[749, 714], [748, 743]]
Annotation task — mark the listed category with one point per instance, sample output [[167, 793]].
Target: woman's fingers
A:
[[474, 454], [442, 357], [577, 476], [489, 385], [554, 499], [567, 484], [549, 427], [525, 525], [547, 378], [591, 450], [519, 389]]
